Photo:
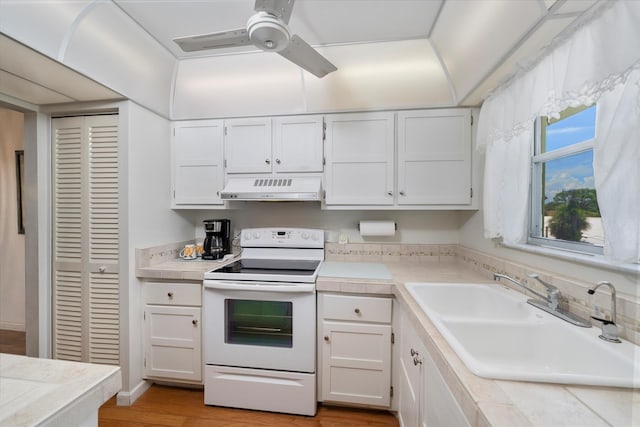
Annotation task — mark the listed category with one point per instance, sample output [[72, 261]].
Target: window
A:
[[564, 204]]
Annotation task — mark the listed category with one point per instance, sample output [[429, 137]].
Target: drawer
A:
[[173, 293], [356, 308]]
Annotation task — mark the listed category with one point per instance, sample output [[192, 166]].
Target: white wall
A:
[[413, 226], [12, 244], [145, 166]]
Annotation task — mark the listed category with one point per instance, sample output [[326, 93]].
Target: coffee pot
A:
[[217, 242]]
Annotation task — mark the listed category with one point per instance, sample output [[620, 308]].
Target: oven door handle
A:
[[260, 286]]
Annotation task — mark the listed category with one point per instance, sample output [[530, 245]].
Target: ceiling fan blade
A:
[[280, 8], [300, 53], [230, 38]]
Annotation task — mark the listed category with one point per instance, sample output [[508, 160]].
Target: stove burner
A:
[[271, 267]]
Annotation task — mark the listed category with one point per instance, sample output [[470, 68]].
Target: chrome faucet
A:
[[609, 327], [553, 293], [497, 277], [549, 302]]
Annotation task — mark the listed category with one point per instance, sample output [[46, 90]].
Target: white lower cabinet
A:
[[354, 349], [172, 331], [425, 399]]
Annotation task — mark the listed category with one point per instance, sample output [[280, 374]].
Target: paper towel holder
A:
[[395, 224]]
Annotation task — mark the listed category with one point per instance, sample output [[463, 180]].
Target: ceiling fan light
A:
[[267, 32]]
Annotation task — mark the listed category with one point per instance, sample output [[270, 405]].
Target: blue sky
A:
[[575, 171]]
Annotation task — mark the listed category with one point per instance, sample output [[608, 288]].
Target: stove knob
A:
[[256, 234], [305, 235], [315, 236], [247, 235]]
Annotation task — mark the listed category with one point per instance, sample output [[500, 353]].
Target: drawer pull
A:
[[170, 294], [326, 338], [414, 353], [417, 361], [357, 311], [194, 321]]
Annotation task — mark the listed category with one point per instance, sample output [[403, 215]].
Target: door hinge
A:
[[225, 163], [174, 131], [393, 338], [324, 131], [144, 315], [472, 120], [471, 193], [324, 194], [225, 131], [324, 161], [391, 391]]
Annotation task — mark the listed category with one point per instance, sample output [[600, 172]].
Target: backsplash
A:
[[574, 292]]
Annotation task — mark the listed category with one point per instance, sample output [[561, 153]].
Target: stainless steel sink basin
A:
[[497, 335]]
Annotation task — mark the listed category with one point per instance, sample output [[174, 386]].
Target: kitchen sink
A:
[[498, 335]]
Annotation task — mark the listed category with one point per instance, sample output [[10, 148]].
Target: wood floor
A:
[[169, 406], [12, 342]]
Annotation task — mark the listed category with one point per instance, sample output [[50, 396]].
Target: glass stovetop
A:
[[271, 267]]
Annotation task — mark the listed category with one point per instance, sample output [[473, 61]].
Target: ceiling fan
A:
[[266, 29]]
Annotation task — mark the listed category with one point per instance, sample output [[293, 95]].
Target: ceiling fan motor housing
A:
[[268, 32]]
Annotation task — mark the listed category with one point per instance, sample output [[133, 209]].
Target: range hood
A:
[[305, 188]]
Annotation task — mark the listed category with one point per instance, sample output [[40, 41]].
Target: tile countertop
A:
[[47, 392], [485, 402], [179, 269]]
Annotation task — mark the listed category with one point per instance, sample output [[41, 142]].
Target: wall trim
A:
[[127, 398]]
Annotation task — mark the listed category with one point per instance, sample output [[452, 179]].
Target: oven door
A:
[[260, 325]]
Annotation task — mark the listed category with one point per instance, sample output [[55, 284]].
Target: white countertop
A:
[[354, 270], [45, 392]]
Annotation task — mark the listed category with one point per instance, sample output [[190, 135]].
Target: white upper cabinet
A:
[[198, 173], [247, 145], [297, 144], [360, 159], [428, 168], [278, 145], [434, 157]]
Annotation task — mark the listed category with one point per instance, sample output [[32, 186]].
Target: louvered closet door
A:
[[86, 301]]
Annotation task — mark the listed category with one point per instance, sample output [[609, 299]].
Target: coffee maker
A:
[[217, 242]]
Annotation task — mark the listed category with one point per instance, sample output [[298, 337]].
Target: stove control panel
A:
[[282, 238]]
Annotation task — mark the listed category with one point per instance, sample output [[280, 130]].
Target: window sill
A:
[[590, 260]]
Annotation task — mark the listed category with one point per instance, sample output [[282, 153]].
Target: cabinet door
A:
[[434, 157], [440, 406], [356, 360], [198, 173], [360, 159], [410, 373], [247, 145], [172, 343], [297, 144]]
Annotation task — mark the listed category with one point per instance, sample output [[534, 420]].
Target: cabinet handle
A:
[[267, 161], [102, 269], [326, 338], [194, 321], [390, 193], [417, 361], [170, 294], [357, 311], [278, 161], [402, 193], [413, 352]]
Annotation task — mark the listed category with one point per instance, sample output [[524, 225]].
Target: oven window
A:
[[264, 323]]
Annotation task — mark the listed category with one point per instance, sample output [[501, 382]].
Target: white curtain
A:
[[506, 186], [597, 57], [616, 165]]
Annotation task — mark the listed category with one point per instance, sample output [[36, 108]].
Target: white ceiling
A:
[[318, 22], [463, 49]]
